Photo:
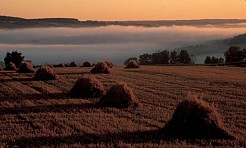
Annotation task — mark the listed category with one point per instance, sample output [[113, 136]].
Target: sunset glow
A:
[[125, 9]]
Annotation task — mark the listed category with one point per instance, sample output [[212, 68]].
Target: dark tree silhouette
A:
[[173, 57], [184, 57], [129, 59], [14, 57], [207, 60], [235, 54], [160, 57], [221, 60], [145, 59], [165, 57], [213, 60]]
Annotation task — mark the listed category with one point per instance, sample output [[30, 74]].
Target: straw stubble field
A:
[[40, 113]]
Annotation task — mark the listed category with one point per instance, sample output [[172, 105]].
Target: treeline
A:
[[232, 55], [213, 60], [163, 57]]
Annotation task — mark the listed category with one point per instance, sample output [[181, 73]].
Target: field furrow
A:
[[42, 111]]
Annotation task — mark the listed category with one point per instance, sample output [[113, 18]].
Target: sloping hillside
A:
[[214, 48]]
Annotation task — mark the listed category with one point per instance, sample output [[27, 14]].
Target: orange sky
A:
[[125, 9]]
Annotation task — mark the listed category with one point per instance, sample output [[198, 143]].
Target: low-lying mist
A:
[[116, 43]]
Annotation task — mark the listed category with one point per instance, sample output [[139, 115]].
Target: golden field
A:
[[40, 113]]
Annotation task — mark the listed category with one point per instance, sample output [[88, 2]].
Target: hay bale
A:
[[48, 65], [61, 65], [73, 64], [11, 66], [36, 66], [87, 87], [132, 64], [109, 63], [26, 67], [119, 96], [45, 73], [100, 67], [87, 64], [1, 68], [195, 119]]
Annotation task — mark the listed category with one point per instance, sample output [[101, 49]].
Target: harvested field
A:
[[41, 113]]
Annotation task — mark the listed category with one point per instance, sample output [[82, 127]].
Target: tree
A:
[[213, 60], [145, 59], [165, 57], [207, 60], [173, 57], [235, 54], [160, 57], [221, 60], [129, 59], [156, 58], [184, 57], [14, 57]]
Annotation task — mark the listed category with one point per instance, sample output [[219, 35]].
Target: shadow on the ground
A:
[[73, 73], [138, 137], [127, 137], [42, 96], [46, 108], [17, 80]]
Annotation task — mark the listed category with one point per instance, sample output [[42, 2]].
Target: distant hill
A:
[[214, 48], [9, 22], [54, 20], [237, 40]]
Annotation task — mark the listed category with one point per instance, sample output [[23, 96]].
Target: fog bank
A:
[[116, 43]]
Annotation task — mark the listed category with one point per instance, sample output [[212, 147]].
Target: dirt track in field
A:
[[40, 113]]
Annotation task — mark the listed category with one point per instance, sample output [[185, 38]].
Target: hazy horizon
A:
[[116, 43], [125, 20]]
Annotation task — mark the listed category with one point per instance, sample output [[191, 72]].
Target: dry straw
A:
[[45, 73], [61, 65], [87, 64], [26, 67], [120, 95], [73, 64], [100, 67], [196, 119], [132, 64], [87, 87], [109, 63]]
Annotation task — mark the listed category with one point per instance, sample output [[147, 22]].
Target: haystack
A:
[[1, 68], [45, 73], [26, 67], [87, 64], [10, 66], [73, 64], [195, 119], [100, 67], [119, 96], [132, 64], [109, 63], [87, 87], [61, 65], [48, 65]]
